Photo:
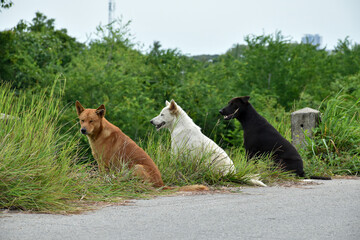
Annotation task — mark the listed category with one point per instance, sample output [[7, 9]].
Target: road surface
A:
[[326, 210]]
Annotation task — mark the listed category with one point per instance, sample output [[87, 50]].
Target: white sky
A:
[[199, 26]]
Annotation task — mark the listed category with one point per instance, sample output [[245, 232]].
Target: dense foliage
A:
[[278, 74]]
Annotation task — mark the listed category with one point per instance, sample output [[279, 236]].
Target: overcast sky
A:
[[199, 26]]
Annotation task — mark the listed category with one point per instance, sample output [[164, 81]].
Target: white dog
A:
[[187, 136]]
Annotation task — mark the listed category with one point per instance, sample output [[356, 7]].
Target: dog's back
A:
[[264, 138], [260, 137], [193, 141], [119, 149]]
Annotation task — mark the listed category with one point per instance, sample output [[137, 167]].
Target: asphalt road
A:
[[329, 210]]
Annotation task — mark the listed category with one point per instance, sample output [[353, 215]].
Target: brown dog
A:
[[112, 149]]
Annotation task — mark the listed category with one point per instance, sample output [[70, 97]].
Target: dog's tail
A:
[[255, 180], [189, 188], [257, 183]]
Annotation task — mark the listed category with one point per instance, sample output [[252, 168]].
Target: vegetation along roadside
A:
[[45, 164]]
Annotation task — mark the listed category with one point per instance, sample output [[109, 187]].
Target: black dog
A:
[[262, 138]]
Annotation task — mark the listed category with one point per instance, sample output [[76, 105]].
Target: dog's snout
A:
[[152, 121], [221, 111], [83, 130]]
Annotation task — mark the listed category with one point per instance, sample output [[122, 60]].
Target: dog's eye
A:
[[82, 121], [91, 121]]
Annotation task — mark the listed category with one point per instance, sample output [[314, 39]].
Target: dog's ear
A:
[[79, 108], [167, 103], [238, 101], [245, 99], [100, 111], [173, 107]]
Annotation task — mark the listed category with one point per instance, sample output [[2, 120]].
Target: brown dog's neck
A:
[[100, 131]]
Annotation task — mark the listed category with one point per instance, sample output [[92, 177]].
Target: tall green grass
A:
[[335, 147], [39, 167]]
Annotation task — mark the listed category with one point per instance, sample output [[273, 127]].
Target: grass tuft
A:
[[39, 169], [335, 147]]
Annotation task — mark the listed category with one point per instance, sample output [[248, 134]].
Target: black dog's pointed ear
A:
[[100, 111], [238, 101], [79, 108], [245, 99]]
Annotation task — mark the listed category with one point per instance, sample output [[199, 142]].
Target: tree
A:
[[237, 50], [33, 54], [5, 4], [278, 67], [347, 57]]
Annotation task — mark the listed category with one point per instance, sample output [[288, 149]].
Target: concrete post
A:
[[303, 120]]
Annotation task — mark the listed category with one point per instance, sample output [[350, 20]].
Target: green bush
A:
[[33, 54]]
